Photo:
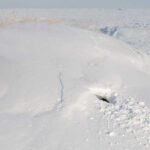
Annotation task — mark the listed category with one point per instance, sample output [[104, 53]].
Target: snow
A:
[[52, 73]]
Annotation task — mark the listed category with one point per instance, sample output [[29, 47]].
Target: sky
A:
[[74, 3]]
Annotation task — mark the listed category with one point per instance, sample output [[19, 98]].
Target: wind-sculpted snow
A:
[[65, 88]]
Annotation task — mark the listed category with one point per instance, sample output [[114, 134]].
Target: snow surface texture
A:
[[54, 74]]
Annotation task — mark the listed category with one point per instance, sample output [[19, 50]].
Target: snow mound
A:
[[50, 79]]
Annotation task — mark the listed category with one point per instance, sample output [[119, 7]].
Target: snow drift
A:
[[50, 76]]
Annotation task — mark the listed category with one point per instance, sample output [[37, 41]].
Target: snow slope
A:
[[50, 80]]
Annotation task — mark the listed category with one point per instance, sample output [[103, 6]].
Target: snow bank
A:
[[50, 76]]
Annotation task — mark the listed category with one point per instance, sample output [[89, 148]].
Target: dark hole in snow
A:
[[103, 98]]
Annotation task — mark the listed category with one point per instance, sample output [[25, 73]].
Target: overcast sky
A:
[[74, 3]]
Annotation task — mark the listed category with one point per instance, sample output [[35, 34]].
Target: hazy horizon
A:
[[74, 3]]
